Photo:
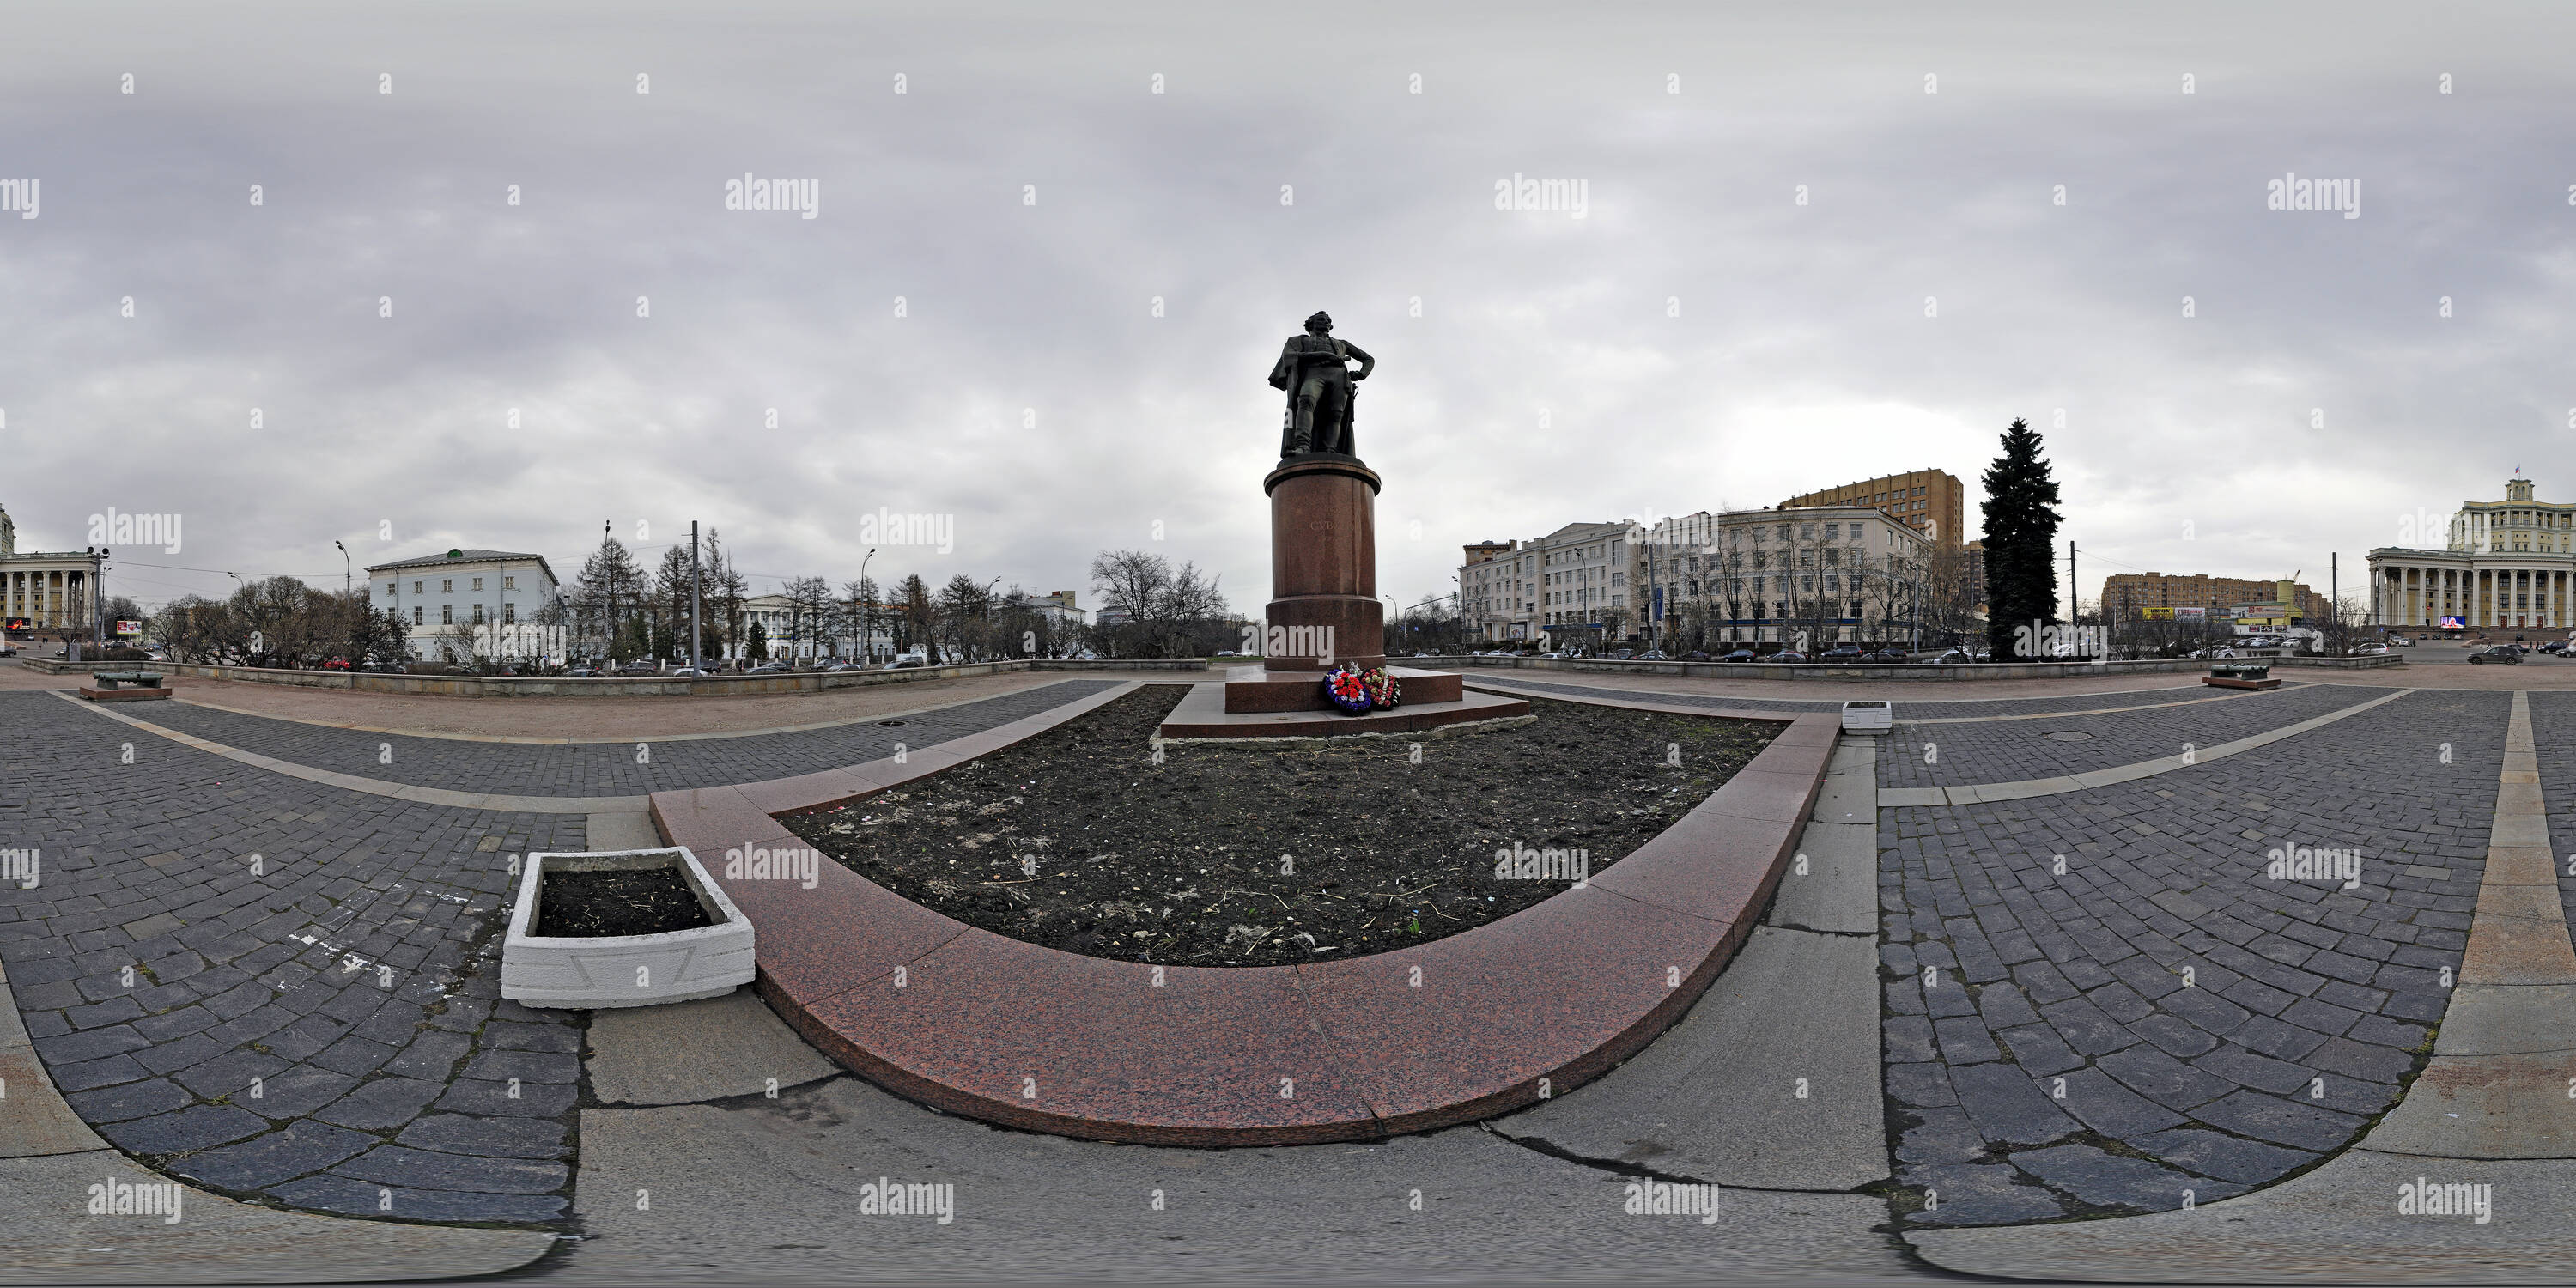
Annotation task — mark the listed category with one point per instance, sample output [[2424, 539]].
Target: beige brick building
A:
[[2130, 594], [1931, 502]]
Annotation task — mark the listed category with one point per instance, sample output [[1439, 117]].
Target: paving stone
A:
[[2006, 1107], [69, 1078], [2107, 1107], [1917, 1085], [432, 1054], [1978, 1194], [1965, 1041], [2038, 1050], [1905, 1039], [333, 1193], [489, 1137], [2163, 1079], [2285, 1122], [280, 1155], [535, 1099], [2229, 1158], [382, 1104], [1942, 1136], [129, 1100], [2238, 1065], [2110, 1180], [428, 1169], [176, 1133], [298, 1091], [510, 1035], [2174, 1036], [353, 1055], [228, 1073], [2271, 1037], [526, 1066]]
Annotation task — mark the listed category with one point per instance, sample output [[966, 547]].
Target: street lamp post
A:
[[867, 609]]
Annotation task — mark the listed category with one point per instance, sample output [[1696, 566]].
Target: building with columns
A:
[[2506, 565], [47, 594]]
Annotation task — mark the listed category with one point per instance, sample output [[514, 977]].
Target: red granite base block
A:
[[1202, 715], [1252, 688], [122, 695], [1043, 1040], [2229, 683], [1561, 991]]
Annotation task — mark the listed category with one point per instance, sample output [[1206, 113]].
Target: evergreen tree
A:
[[756, 642], [2021, 539]]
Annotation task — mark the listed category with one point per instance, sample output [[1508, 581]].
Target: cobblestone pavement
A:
[[2013, 750], [2046, 1055], [323, 1030], [1906, 708], [602, 769], [2553, 738]]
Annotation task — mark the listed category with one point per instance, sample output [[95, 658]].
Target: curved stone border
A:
[[1493, 1019], [2022, 789]]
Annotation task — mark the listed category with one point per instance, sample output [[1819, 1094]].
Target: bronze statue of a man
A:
[[1319, 389]]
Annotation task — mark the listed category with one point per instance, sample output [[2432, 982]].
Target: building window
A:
[[478, 614], [415, 588], [447, 614], [415, 615], [478, 583], [447, 587]]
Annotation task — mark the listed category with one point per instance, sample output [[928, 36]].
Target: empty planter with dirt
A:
[[622, 928]]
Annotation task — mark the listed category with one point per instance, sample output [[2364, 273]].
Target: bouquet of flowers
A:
[[1382, 689], [1348, 689]]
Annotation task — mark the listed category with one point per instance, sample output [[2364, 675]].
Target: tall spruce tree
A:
[[2021, 540]]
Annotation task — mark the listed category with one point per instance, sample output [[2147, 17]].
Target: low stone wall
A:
[[1892, 670], [477, 686]]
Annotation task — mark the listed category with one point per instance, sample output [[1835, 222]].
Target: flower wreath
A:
[[1382, 687], [1348, 689]]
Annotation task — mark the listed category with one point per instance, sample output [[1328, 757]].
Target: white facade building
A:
[[466, 604], [56, 594], [2508, 564]]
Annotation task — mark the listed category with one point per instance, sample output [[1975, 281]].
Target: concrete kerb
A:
[[886, 1036], [2490, 1109]]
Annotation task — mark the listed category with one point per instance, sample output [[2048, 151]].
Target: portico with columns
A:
[[51, 593], [2507, 565]]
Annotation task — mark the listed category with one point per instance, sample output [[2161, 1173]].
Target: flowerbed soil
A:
[[638, 901], [1224, 855]]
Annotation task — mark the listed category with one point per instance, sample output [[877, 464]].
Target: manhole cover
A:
[[897, 722], [2070, 735]]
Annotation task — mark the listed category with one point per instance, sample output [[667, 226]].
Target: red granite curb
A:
[[1462, 1028]]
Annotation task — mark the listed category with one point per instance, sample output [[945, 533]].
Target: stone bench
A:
[[146, 685]]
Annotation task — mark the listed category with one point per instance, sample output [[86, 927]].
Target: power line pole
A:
[[696, 630]]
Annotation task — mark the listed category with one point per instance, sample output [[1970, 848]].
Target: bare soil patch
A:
[[635, 901], [1213, 855]]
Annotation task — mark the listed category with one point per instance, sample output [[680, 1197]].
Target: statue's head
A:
[[1319, 324]]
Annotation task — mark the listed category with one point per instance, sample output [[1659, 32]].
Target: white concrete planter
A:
[[625, 970], [1869, 717]]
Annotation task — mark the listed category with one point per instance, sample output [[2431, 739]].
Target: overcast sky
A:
[[1697, 340]]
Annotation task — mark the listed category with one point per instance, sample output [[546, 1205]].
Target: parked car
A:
[[1885, 655], [336, 664], [1741, 655], [2498, 653], [1653, 655], [581, 672], [1695, 655], [767, 668], [1952, 657], [1840, 653], [2370, 650], [1787, 655]]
